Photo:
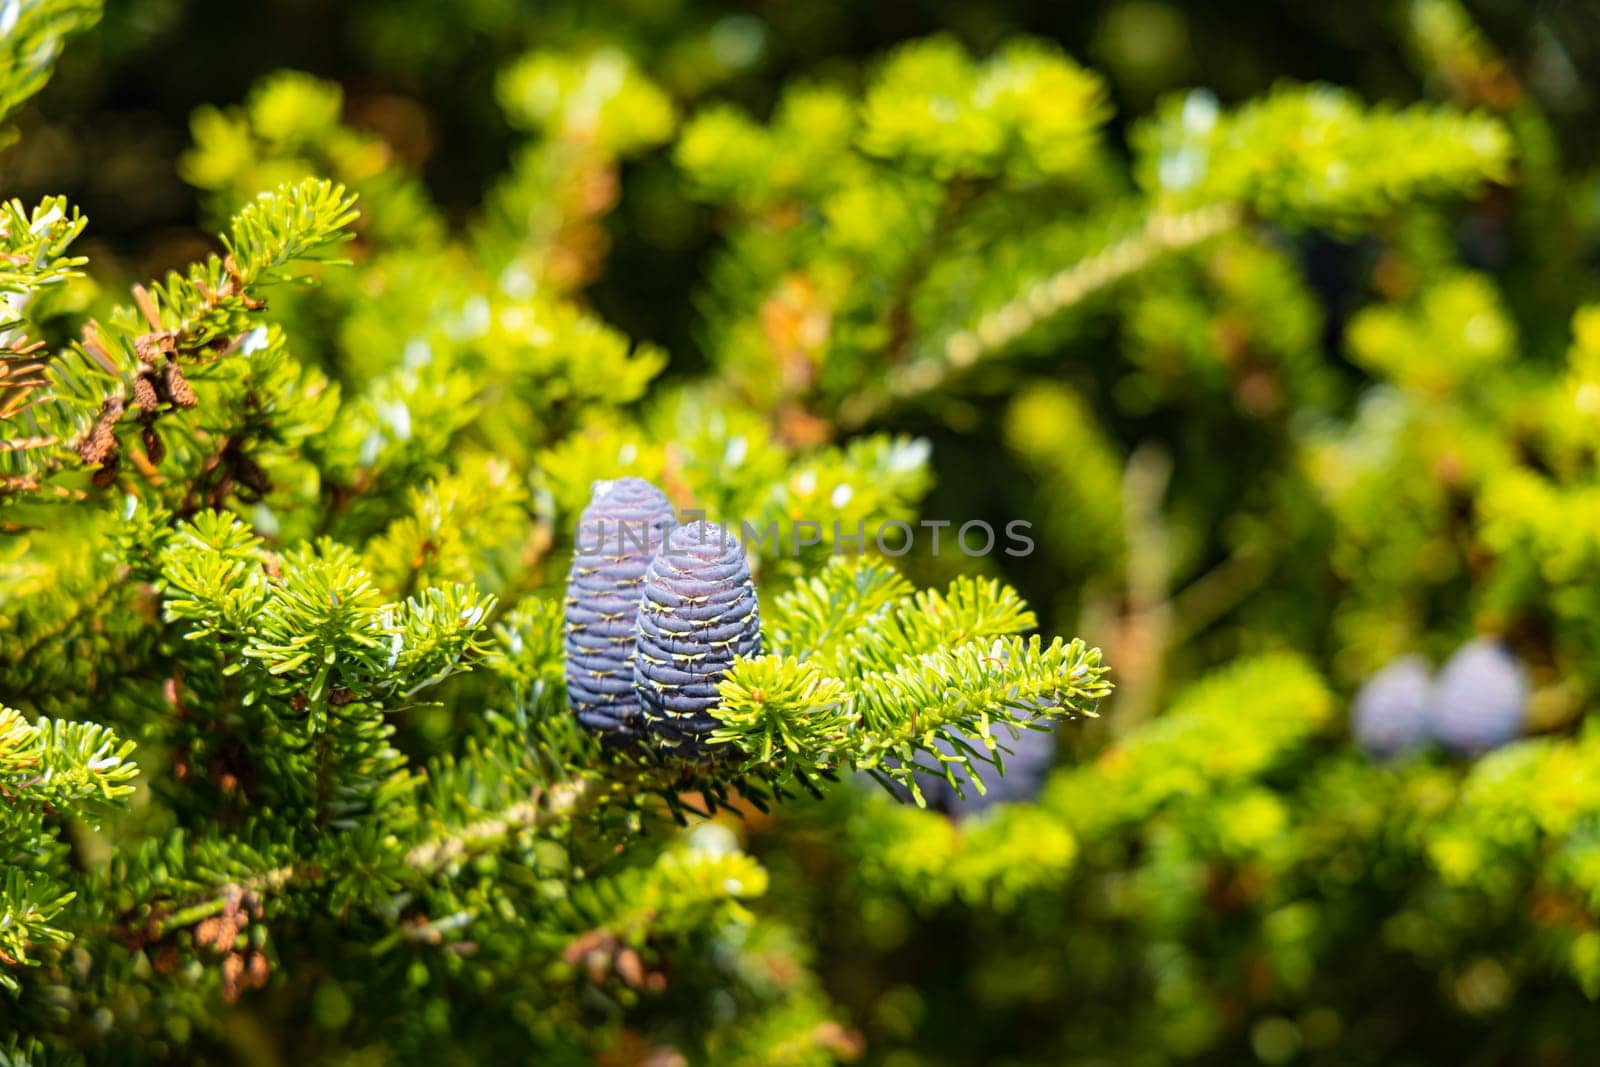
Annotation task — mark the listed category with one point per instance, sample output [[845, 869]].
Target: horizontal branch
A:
[[545, 808], [1162, 233]]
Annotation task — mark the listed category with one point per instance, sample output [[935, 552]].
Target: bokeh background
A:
[[113, 123]]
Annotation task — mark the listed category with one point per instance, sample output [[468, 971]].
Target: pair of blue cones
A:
[[656, 614], [1478, 702]]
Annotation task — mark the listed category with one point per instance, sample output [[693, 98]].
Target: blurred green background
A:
[[109, 129]]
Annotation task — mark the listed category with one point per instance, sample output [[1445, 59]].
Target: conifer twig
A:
[[545, 808], [1162, 233]]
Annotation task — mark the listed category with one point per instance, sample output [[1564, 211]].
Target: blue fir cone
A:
[[1390, 716], [618, 535], [1480, 700], [697, 615], [1031, 754]]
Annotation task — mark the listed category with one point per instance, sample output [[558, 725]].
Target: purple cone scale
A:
[[618, 535], [698, 614], [1390, 716], [1480, 699]]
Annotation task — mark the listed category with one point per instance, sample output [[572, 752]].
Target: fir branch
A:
[[29, 907], [294, 224], [32, 33], [846, 598], [135, 359], [48, 770], [67, 766], [1314, 155], [1161, 234], [437, 856], [547, 807], [33, 256], [670, 897], [903, 689], [34, 249]]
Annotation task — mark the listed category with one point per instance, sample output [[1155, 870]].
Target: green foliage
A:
[[995, 861], [868, 675], [142, 356], [1028, 112], [1231, 727], [36, 245], [1057, 442], [541, 220], [289, 127], [1454, 337], [49, 770], [320, 597], [601, 98], [34, 258], [1284, 389], [1314, 156], [850, 289], [32, 33]]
